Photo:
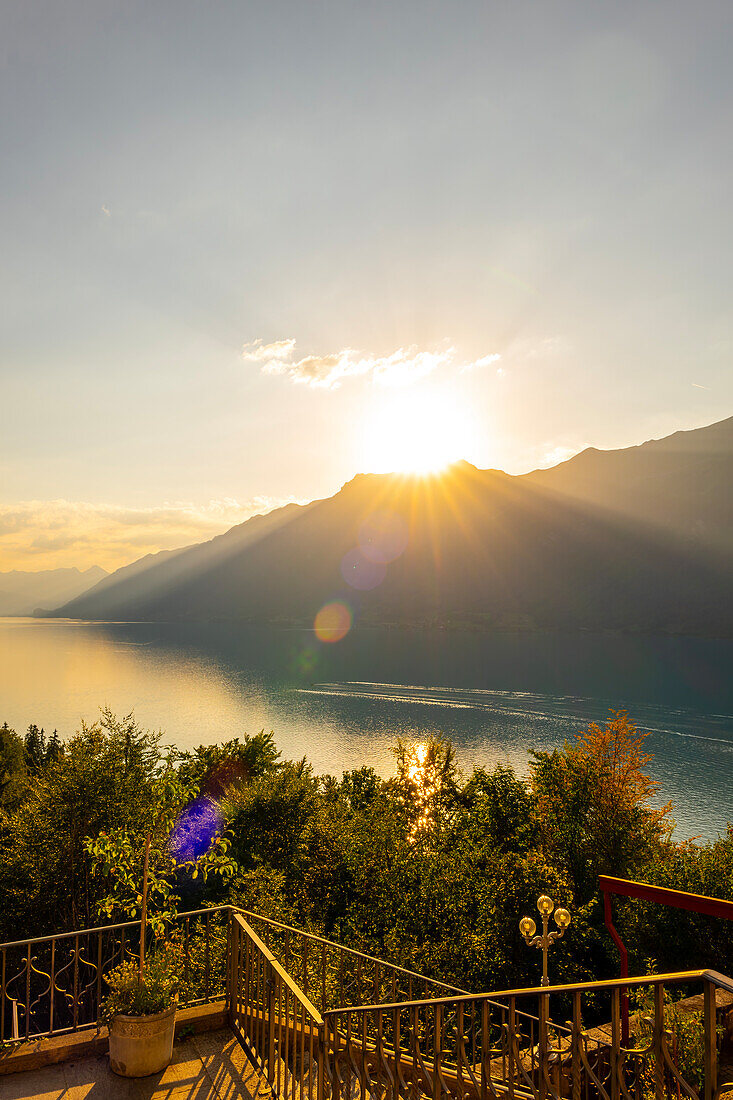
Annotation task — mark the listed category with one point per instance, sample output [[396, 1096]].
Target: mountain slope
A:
[[643, 550], [680, 484], [21, 593]]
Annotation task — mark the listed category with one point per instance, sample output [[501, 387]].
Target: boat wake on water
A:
[[535, 707]]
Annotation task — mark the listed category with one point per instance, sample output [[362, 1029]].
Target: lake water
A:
[[343, 705]]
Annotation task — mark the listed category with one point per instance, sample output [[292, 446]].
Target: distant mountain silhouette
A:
[[635, 539], [681, 484], [22, 593]]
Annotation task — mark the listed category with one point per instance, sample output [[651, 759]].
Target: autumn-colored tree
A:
[[594, 803]]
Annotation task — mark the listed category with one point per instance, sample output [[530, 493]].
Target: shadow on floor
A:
[[205, 1067]]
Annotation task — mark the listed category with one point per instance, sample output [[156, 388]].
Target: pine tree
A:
[[54, 748], [35, 749]]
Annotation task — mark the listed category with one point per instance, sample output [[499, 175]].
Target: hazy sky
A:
[[245, 244]]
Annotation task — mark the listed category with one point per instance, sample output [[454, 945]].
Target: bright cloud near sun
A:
[[53, 534], [402, 367]]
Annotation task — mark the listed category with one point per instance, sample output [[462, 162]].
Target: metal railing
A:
[[280, 1029], [469, 1047], [51, 985], [334, 976], [482, 1047], [325, 1022]]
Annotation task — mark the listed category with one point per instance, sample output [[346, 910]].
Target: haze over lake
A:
[[344, 705]]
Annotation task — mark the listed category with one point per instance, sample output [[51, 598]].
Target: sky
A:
[[251, 249]]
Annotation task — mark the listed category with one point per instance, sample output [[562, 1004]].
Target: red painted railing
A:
[[660, 895]]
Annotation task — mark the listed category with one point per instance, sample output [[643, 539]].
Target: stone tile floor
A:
[[211, 1066]]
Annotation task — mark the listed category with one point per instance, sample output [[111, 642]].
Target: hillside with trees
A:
[[431, 868]]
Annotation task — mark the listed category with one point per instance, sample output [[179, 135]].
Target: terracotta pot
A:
[[141, 1045]]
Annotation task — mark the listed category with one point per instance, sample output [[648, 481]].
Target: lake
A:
[[343, 705]]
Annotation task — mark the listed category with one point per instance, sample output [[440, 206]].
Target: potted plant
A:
[[179, 836]]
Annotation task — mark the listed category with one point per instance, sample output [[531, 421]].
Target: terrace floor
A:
[[210, 1066]]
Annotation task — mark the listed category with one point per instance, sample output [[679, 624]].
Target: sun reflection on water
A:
[[420, 771]]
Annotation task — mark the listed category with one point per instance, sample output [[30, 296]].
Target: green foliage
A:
[[430, 868], [685, 1030], [678, 939], [137, 862], [13, 770], [39, 752], [437, 882], [101, 781], [219, 769], [426, 785]]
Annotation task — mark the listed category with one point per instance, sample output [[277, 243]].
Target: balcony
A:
[[309, 1019]]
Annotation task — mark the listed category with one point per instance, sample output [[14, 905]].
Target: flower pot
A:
[[141, 1045]]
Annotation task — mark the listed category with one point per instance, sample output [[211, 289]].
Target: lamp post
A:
[[528, 928]]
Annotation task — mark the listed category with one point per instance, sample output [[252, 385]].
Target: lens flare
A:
[[304, 660], [196, 828], [333, 622], [360, 572], [383, 537]]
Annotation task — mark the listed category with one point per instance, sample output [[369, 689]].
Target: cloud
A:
[[556, 455], [403, 367], [59, 533], [279, 352], [484, 361]]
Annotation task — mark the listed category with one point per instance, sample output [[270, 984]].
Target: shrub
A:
[[132, 996]]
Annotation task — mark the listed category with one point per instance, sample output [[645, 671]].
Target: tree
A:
[[13, 771], [221, 769], [174, 834], [101, 781], [35, 749], [594, 803], [427, 784], [499, 805]]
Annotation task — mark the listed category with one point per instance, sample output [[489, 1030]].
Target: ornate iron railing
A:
[[279, 1027], [50, 985], [293, 1001], [481, 1047], [466, 1047]]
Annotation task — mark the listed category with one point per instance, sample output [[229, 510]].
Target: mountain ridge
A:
[[633, 539], [22, 592]]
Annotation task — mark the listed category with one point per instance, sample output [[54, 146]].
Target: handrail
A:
[[538, 990], [350, 950], [721, 981], [107, 927], [247, 913], [285, 977], [663, 895]]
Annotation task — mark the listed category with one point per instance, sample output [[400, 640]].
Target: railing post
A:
[[437, 1051], [711, 1041], [542, 1067], [271, 1029], [576, 1041], [231, 981], [615, 1058], [322, 1060], [659, 1041]]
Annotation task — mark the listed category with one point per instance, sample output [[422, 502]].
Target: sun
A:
[[416, 433]]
